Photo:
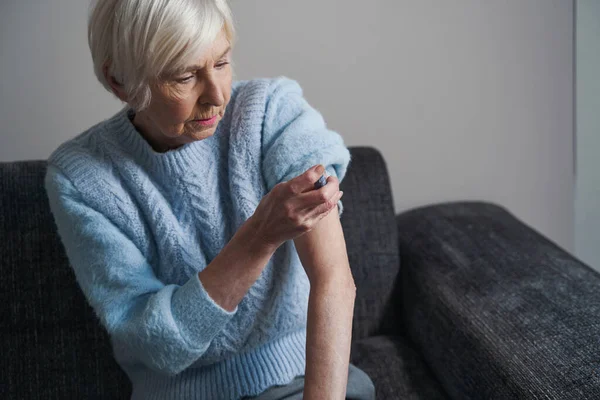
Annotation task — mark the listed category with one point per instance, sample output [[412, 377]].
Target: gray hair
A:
[[141, 40]]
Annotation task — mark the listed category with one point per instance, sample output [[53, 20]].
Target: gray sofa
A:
[[454, 301]]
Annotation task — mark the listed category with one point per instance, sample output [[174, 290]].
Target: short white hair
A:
[[140, 40]]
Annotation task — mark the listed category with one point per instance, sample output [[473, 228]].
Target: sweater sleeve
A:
[[164, 327], [295, 138]]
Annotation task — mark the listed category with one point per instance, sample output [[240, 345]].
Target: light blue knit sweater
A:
[[138, 226]]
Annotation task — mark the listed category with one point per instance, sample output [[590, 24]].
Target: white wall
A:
[[48, 91], [465, 99], [587, 197]]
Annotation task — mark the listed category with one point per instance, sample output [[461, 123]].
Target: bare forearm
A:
[[229, 276], [330, 308], [329, 332]]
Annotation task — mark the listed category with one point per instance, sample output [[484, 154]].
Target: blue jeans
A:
[[359, 387]]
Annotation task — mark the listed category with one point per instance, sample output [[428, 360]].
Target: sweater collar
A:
[[172, 162]]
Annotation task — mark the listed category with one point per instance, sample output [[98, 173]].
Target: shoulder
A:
[[57, 183], [73, 146], [263, 93], [82, 149], [80, 163], [268, 86]]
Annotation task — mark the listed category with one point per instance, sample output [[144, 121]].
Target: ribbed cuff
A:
[[249, 373], [197, 315]]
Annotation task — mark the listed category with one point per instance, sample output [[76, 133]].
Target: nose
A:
[[212, 94]]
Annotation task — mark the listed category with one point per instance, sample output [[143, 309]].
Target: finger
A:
[[320, 196], [306, 182], [324, 208]]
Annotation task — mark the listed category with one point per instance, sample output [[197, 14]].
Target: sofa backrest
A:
[[53, 343], [371, 237], [53, 346]]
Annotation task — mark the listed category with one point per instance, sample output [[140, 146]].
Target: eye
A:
[[185, 80], [221, 64]]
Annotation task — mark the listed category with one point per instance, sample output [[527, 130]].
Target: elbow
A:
[[164, 357], [348, 280], [351, 287], [169, 371], [172, 359], [163, 364], [167, 367]]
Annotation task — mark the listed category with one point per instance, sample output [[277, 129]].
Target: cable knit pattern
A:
[[138, 226]]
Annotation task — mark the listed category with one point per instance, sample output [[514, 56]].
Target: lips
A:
[[207, 122], [205, 119]]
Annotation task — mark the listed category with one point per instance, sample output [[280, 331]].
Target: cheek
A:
[[227, 92], [177, 111]]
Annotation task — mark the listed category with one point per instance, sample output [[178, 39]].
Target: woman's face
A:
[[187, 107]]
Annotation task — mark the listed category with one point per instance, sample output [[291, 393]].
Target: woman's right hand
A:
[[294, 207]]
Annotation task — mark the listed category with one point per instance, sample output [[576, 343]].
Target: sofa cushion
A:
[[396, 369]]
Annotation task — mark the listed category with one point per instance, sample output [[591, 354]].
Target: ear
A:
[[117, 88]]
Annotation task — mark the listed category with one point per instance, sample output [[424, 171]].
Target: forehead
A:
[[216, 50], [212, 53]]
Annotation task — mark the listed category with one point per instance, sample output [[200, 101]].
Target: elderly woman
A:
[[192, 220]]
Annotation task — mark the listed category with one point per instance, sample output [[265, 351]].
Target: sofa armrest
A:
[[497, 310]]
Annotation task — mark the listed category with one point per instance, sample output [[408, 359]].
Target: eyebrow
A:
[[195, 67]]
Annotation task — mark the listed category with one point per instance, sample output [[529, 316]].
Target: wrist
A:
[[251, 228], [254, 236]]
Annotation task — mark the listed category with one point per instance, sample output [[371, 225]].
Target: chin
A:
[[203, 134]]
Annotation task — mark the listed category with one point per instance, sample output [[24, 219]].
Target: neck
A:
[[154, 141]]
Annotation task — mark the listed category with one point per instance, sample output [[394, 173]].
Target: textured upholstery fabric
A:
[[371, 241], [396, 369], [52, 346], [496, 309]]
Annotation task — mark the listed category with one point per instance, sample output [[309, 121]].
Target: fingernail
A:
[[320, 169]]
